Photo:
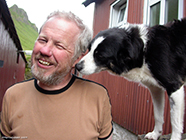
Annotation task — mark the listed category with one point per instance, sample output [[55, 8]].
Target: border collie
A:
[[154, 56]]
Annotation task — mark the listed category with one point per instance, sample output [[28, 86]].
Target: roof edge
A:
[[88, 2], [9, 26]]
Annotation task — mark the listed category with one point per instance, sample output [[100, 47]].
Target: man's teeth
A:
[[44, 62]]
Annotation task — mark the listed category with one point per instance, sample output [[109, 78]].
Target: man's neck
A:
[[63, 83]]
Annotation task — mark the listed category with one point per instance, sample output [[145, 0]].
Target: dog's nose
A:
[[79, 66]]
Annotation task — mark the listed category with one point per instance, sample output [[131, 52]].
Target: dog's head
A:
[[117, 50]]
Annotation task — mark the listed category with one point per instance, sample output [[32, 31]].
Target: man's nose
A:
[[47, 49]]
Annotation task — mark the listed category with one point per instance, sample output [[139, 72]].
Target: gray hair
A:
[[85, 35]]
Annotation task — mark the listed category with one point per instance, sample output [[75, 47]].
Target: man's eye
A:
[[60, 46], [42, 40]]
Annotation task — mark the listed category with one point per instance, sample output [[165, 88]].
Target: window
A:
[[162, 11], [118, 14], [1, 63], [171, 10], [155, 14], [121, 13]]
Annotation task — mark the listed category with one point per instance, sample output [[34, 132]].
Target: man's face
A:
[[54, 50]]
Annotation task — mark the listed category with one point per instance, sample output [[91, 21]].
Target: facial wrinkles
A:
[[56, 33], [68, 35], [56, 44], [56, 76], [65, 36]]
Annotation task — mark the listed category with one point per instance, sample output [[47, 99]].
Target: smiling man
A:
[[53, 52], [55, 104]]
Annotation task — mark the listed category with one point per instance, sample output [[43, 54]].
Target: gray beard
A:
[[51, 80]]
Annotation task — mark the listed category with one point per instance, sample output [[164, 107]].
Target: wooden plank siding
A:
[[101, 15], [135, 11], [13, 68], [131, 103]]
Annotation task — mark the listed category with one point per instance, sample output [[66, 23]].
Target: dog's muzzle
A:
[[79, 66]]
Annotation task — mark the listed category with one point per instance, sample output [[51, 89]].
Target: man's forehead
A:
[[59, 24], [63, 21], [60, 30]]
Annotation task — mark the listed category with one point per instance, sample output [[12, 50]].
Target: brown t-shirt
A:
[[79, 111]]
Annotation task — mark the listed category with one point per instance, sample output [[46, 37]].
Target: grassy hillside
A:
[[27, 33], [26, 30]]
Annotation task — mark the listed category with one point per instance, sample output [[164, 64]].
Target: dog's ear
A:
[[131, 53], [115, 68], [135, 48], [135, 43], [124, 59]]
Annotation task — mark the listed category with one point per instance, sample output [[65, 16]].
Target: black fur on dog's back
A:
[[166, 54]]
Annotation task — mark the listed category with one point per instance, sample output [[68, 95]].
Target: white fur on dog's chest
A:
[[141, 75]]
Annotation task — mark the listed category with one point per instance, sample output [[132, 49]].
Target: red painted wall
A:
[[101, 15], [135, 11], [11, 72]]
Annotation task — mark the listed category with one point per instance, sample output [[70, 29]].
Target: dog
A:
[[153, 56]]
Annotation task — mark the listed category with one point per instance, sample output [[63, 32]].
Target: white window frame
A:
[[115, 10], [149, 3]]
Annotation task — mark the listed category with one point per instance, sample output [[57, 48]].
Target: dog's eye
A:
[[98, 55]]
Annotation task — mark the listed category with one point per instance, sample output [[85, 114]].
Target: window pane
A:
[[1, 63], [155, 14], [121, 14], [171, 10]]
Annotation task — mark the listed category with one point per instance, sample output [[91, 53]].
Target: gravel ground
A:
[[120, 133], [164, 137]]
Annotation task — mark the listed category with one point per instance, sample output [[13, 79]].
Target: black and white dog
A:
[[154, 56]]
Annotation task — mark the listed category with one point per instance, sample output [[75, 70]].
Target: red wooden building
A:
[[12, 59], [131, 103]]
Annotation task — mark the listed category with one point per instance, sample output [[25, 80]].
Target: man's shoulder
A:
[[20, 86], [91, 86], [87, 81], [23, 83]]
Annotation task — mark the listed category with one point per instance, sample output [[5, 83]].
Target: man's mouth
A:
[[44, 62]]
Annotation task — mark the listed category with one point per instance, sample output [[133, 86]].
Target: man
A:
[[56, 104]]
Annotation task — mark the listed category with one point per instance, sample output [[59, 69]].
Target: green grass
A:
[[27, 34]]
